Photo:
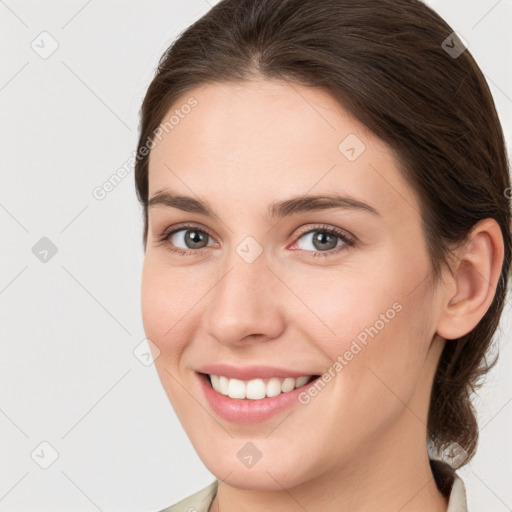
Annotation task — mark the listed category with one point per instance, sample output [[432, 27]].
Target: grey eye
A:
[[320, 240], [190, 238]]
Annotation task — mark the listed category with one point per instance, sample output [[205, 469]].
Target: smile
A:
[[256, 389], [255, 400]]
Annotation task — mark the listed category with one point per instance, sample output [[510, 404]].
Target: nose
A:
[[245, 303]]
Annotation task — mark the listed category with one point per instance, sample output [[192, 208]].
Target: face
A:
[[275, 284]]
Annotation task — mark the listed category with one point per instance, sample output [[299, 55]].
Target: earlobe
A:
[[477, 271]]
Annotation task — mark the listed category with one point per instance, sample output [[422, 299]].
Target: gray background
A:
[[70, 324]]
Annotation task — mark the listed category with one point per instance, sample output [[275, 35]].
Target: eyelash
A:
[[347, 240]]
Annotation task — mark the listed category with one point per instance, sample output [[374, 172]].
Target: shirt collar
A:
[[450, 484]]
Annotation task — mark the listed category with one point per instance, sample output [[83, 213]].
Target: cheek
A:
[[379, 326], [152, 302], [171, 300], [163, 304], [349, 307], [166, 312]]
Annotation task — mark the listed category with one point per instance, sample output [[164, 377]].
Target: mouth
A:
[[256, 389], [245, 395]]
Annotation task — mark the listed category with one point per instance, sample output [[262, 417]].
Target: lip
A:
[[250, 372], [246, 410]]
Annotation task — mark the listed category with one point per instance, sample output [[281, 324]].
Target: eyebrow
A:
[[278, 209]]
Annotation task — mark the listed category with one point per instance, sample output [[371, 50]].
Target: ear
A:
[[470, 291]]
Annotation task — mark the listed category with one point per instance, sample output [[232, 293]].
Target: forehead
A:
[[273, 139]]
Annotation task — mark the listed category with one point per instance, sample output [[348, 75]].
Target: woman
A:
[[338, 377]]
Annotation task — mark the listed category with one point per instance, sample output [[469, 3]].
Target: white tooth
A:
[[273, 387], [236, 388], [255, 389], [215, 382], [288, 384], [223, 385], [301, 381]]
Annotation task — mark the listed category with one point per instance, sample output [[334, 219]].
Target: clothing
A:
[[447, 480]]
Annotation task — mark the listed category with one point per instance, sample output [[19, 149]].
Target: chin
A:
[[272, 474]]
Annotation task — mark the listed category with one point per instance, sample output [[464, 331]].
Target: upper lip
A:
[[250, 372]]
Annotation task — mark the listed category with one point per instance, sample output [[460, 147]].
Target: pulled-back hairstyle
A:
[[392, 65]]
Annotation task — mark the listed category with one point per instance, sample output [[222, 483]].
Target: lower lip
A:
[[246, 410]]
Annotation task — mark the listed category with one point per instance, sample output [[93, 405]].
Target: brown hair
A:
[[388, 63]]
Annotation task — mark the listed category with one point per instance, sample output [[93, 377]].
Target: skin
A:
[[360, 444]]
